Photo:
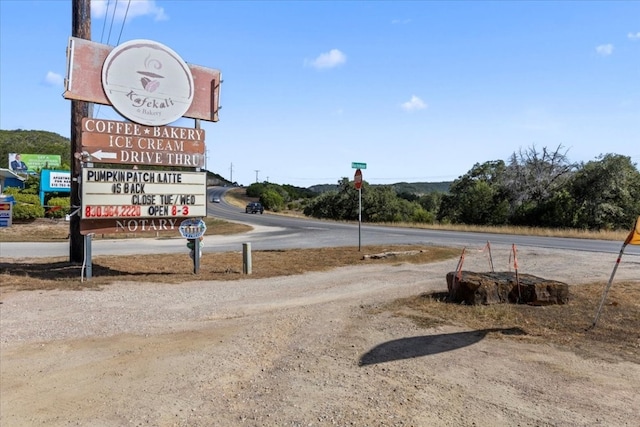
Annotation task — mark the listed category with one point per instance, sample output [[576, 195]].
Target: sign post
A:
[[193, 230], [357, 178]]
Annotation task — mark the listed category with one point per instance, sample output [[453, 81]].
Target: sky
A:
[[420, 91]]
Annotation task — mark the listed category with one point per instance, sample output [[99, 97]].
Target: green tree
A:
[[272, 200], [606, 192], [256, 189], [477, 197], [381, 204], [431, 201]]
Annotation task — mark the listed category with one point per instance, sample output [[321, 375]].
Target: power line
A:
[[126, 12], [113, 17]]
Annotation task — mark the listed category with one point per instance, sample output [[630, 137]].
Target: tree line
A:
[[536, 188]]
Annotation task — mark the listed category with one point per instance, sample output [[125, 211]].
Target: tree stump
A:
[[500, 287]]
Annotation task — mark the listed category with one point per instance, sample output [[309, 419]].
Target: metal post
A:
[[88, 267], [359, 217], [196, 242], [196, 256], [246, 258], [606, 289]]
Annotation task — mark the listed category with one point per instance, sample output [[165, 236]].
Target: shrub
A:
[[58, 207], [272, 200], [27, 207], [422, 216]]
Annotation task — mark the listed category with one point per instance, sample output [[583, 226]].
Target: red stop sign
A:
[[358, 179]]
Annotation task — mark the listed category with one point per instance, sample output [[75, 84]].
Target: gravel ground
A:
[[307, 350]]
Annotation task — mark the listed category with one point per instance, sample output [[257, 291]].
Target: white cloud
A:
[[331, 59], [633, 36], [53, 79], [102, 8], [604, 49], [414, 104]]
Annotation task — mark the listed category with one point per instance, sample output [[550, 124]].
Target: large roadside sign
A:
[[135, 194], [109, 141]]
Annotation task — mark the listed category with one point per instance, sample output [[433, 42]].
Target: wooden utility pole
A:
[[81, 28]]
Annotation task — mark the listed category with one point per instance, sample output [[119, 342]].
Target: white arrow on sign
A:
[[104, 155]]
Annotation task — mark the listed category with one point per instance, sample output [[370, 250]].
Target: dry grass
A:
[[616, 336], [527, 231]]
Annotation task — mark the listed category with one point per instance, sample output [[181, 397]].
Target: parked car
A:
[[254, 207]]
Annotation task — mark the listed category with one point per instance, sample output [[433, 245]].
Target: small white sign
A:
[[59, 180], [147, 82]]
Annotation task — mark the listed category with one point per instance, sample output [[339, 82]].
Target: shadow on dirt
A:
[[427, 345], [61, 270]]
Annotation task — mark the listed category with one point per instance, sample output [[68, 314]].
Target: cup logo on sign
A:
[[150, 81]]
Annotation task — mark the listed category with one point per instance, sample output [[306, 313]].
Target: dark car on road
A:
[[254, 207]]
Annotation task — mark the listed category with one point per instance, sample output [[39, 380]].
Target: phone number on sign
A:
[[108, 211], [131, 211]]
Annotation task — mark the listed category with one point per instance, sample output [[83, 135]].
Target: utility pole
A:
[[81, 28], [231, 173], [256, 174]]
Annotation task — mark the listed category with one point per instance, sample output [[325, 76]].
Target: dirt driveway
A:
[[310, 350]]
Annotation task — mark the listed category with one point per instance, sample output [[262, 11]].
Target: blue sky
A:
[[420, 91]]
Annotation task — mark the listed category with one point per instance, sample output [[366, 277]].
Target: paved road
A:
[[280, 232]]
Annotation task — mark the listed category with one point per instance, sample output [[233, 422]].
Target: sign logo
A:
[[192, 228], [147, 82]]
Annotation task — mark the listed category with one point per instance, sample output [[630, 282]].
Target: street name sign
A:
[[358, 165]]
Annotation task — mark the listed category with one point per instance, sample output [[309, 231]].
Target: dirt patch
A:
[[356, 345]]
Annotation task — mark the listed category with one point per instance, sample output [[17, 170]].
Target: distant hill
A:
[[422, 187], [33, 142], [416, 188], [217, 179], [323, 188]]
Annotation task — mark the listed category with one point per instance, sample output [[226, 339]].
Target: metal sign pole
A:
[[196, 256], [359, 217]]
